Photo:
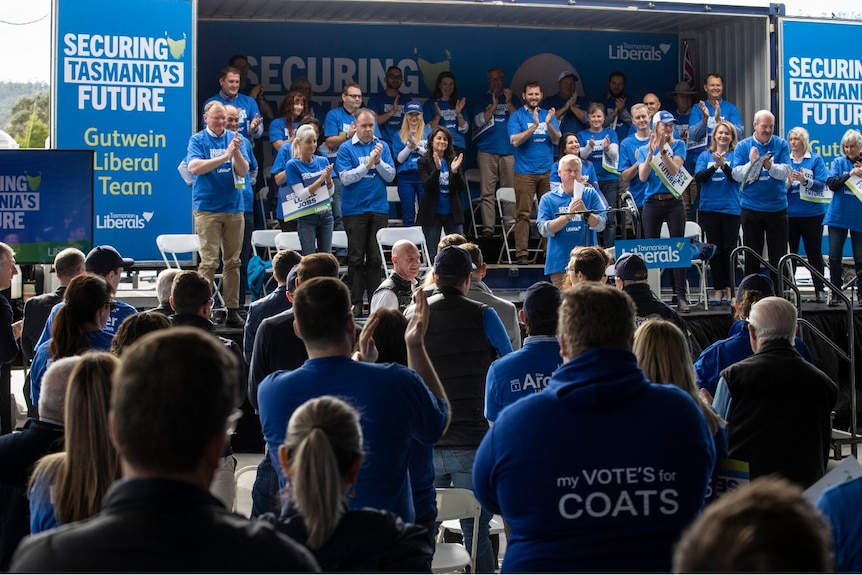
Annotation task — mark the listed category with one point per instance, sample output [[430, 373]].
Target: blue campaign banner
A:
[[659, 253], [821, 85], [124, 89], [46, 202], [330, 55]]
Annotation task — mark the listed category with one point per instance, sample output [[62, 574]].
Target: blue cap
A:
[[413, 107], [453, 261], [663, 117], [542, 302]]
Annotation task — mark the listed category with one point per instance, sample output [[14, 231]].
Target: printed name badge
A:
[[659, 253]]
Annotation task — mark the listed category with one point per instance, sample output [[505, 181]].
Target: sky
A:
[[25, 32]]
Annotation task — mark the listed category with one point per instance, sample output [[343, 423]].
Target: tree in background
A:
[[29, 121]]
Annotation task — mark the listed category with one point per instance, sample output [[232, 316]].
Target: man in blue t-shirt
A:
[[398, 405], [761, 163], [534, 133], [577, 501], [250, 120], [388, 105], [493, 148], [527, 370], [219, 161], [364, 165]]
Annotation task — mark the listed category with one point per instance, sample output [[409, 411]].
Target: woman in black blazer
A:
[[443, 181]]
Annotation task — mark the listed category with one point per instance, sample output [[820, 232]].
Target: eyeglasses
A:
[[217, 118], [232, 420], [354, 95], [395, 76], [570, 269], [111, 305]]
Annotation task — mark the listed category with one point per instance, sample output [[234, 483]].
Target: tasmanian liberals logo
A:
[[113, 221], [638, 52]]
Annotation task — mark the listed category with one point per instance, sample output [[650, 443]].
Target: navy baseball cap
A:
[[453, 261], [628, 267], [104, 259], [664, 117], [542, 302], [413, 106], [757, 282]]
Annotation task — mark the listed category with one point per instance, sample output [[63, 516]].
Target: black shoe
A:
[[682, 305], [833, 300], [218, 315], [233, 319], [523, 260], [488, 234], [342, 261], [820, 296]]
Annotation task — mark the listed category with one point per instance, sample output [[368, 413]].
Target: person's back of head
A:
[[595, 315], [752, 288], [68, 263], [90, 464], [282, 262], [591, 261], [316, 266], [172, 398], [389, 336], [451, 240], [52, 397], [773, 318], [541, 310], [766, 526], [84, 297], [190, 292], [453, 267], [321, 311], [476, 256], [135, 327], [321, 455], [165, 282]]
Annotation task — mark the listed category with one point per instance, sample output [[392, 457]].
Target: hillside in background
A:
[[11, 92]]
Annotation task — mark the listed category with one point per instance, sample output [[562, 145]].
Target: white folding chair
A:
[[454, 503], [243, 480], [172, 244], [473, 176], [339, 241], [692, 231], [265, 239], [393, 198], [288, 241], [386, 238], [507, 195], [270, 221]]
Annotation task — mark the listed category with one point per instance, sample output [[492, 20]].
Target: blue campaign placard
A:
[[124, 89], [821, 85], [659, 253], [46, 202]]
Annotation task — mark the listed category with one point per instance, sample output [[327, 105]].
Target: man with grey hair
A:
[[620, 506], [164, 282], [19, 452], [761, 164], [777, 405]]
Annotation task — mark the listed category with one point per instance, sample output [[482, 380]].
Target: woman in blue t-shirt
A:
[[408, 146], [569, 144], [718, 212], [598, 142], [443, 182], [845, 209], [303, 176], [805, 205], [444, 109]]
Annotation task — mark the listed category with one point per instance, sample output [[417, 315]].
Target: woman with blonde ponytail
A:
[[322, 456]]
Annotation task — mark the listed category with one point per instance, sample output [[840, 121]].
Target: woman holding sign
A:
[[719, 205], [660, 166], [806, 203], [601, 146], [305, 186], [845, 209]]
